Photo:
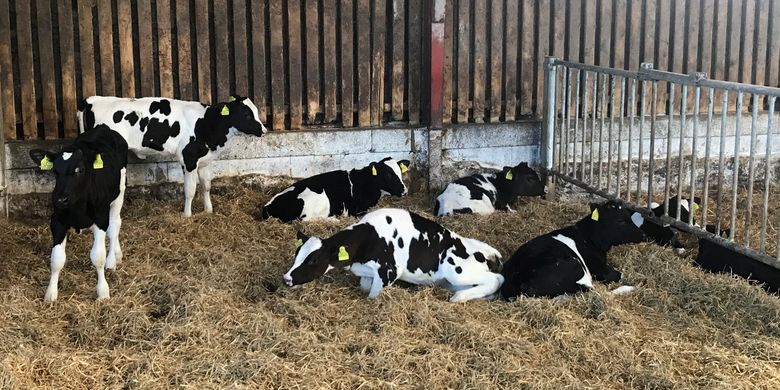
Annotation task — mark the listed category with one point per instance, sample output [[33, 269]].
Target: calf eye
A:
[[77, 171]]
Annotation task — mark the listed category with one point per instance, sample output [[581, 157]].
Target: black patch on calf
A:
[[400, 242], [88, 116], [465, 210], [475, 184], [451, 261], [395, 233], [164, 106], [389, 220], [131, 118], [144, 122], [158, 133], [192, 152], [479, 257], [458, 269], [118, 116]]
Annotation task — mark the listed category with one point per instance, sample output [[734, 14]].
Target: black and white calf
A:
[[89, 192], [486, 192], [334, 193], [392, 244], [665, 234], [190, 131], [567, 261]]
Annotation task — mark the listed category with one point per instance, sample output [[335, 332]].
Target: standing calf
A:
[[190, 131], [392, 244], [89, 192]]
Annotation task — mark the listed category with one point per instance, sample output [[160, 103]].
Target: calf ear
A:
[[43, 159], [522, 165], [301, 236], [507, 174], [404, 165], [594, 206]]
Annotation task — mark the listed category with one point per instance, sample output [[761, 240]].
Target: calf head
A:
[[387, 175], [312, 260], [610, 224], [688, 209], [70, 171], [520, 180], [240, 113]]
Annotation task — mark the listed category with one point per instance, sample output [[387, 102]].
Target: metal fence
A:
[[604, 132]]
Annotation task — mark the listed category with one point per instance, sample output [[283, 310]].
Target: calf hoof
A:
[[186, 214], [102, 291], [51, 296]]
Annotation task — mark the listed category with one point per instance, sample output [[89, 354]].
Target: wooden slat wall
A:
[[308, 63]]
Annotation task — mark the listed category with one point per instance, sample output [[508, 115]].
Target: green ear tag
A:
[[46, 164], [404, 168], [343, 255], [509, 175], [231, 99], [298, 243], [225, 110], [373, 170], [595, 215], [98, 163], [695, 207]]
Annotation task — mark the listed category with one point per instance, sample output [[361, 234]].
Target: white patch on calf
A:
[[654, 205], [397, 170], [311, 245], [637, 219], [66, 155], [587, 279], [314, 205], [457, 196]]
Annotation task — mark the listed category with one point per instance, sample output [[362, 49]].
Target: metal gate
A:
[[643, 136]]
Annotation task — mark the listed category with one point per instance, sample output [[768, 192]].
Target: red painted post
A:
[[437, 62]]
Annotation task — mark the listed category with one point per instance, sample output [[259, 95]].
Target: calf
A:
[[664, 234], [486, 192], [335, 193], [566, 261], [715, 258], [89, 192], [190, 131], [391, 244]]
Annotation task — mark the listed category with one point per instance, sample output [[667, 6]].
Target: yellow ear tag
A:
[[509, 175], [298, 243], [695, 207], [46, 164], [343, 255], [225, 110], [404, 168], [98, 163], [231, 99], [373, 170], [595, 215]]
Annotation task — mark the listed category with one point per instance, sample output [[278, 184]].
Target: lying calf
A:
[[484, 193], [566, 261], [335, 193], [665, 234], [89, 192], [393, 244]]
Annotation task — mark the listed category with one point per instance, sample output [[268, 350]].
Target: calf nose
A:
[[263, 129], [62, 201], [545, 189], [287, 280]]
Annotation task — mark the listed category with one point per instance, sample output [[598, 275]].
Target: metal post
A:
[[620, 133], [767, 175], [681, 161], [548, 134], [576, 124], [694, 152], [751, 169], [721, 157], [669, 117], [3, 181], [735, 175], [632, 111], [707, 150]]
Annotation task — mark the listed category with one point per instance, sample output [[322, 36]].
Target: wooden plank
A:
[[378, 64], [773, 67], [678, 40], [329, 75], [203, 50], [604, 33], [240, 62], [662, 59], [762, 36], [705, 48], [720, 29], [558, 28], [527, 70], [512, 45], [573, 39], [67, 68], [24, 43], [692, 47], [464, 81], [87, 50], [399, 49], [165, 72], [543, 49], [222, 49], [184, 49], [46, 63], [146, 60], [364, 62], [649, 34], [126, 64], [496, 55], [634, 35], [748, 62], [259, 56], [733, 47], [277, 62], [415, 60], [312, 51], [105, 45], [619, 60], [6, 73], [590, 13], [480, 59], [347, 64], [295, 66]]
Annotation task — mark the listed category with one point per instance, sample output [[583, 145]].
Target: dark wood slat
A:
[[575, 13], [678, 40], [347, 64], [399, 50], [705, 49], [662, 61], [734, 39], [312, 55], [164, 51], [558, 28], [6, 73], [720, 29], [276, 22], [67, 68], [648, 33], [259, 55], [222, 49], [26, 69], [692, 46], [527, 70], [184, 49], [146, 60], [126, 62], [378, 64], [619, 60], [605, 33], [240, 63], [415, 60], [464, 50], [105, 45], [480, 60], [634, 29], [46, 63], [773, 69], [295, 66], [203, 49], [496, 55], [748, 62], [87, 48], [761, 43], [589, 31], [512, 45], [543, 50], [329, 41], [364, 63]]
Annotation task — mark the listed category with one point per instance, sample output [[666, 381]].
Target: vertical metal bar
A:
[[567, 104], [651, 159], [668, 148], [609, 129], [735, 181], [640, 155], [620, 134], [576, 123], [694, 151], [548, 136], [593, 122], [767, 175], [721, 162], [707, 149], [632, 110], [3, 181], [564, 122], [751, 169], [584, 125], [681, 161]]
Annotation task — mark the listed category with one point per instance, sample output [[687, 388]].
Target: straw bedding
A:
[[196, 302]]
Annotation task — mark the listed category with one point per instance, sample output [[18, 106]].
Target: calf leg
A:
[[487, 284], [205, 175], [60, 238], [114, 224], [98, 257], [190, 185], [365, 283]]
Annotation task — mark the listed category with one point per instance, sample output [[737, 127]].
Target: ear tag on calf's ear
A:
[[404, 168], [46, 164], [298, 243], [595, 215], [695, 207], [509, 175], [225, 110], [98, 163], [343, 255], [373, 170], [231, 99]]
